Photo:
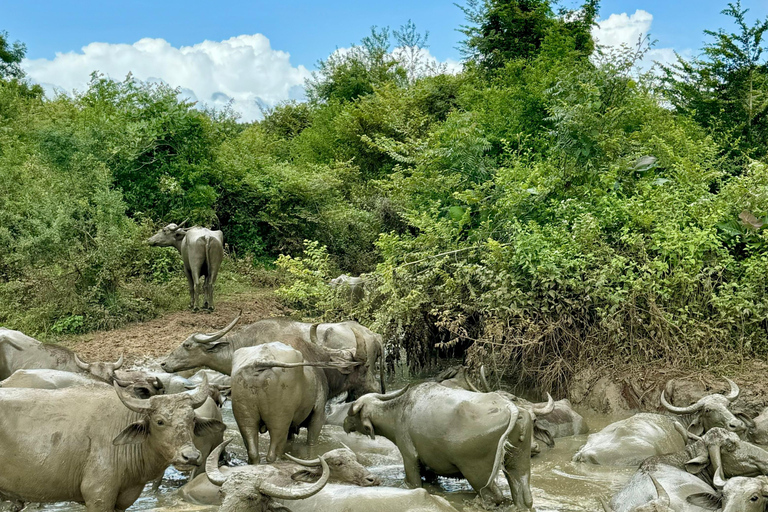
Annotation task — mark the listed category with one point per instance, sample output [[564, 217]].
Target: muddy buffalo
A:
[[215, 350], [202, 251], [93, 444], [19, 351], [452, 432]]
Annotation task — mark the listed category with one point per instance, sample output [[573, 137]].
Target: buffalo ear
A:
[[697, 465], [696, 427], [135, 433], [304, 476], [705, 500], [543, 435], [215, 346], [143, 392], [206, 426]]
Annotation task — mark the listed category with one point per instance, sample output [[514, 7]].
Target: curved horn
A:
[[361, 351], [215, 336], [308, 463], [663, 496], [82, 365], [384, 397], [199, 395], [546, 409], [118, 364], [733, 394], [139, 405], [714, 458], [283, 493], [680, 410], [470, 385], [122, 383], [182, 224], [212, 465], [483, 379], [313, 334]]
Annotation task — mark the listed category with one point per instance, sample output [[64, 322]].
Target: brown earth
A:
[[156, 338]]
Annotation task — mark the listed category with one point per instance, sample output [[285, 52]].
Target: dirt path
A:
[[156, 338]]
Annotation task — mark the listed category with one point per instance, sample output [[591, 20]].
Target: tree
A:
[[727, 90], [11, 56], [499, 31]]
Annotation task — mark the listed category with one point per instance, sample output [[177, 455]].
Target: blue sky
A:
[[306, 30]]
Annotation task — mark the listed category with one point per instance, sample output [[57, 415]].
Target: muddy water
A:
[[558, 485]]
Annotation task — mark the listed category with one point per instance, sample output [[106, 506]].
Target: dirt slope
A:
[[156, 338]]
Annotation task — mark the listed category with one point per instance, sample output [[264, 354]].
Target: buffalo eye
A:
[[707, 410], [160, 423], [753, 498]]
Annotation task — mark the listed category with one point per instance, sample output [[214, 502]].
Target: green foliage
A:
[[307, 288], [727, 90], [500, 31], [11, 56]]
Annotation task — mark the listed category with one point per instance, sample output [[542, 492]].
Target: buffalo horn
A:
[[118, 364], [361, 352], [384, 397], [122, 383], [212, 465], [139, 405], [83, 365], [546, 409], [663, 496], [215, 336], [283, 493], [714, 458], [605, 504], [199, 395], [470, 385], [182, 224], [680, 410], [687, 434], [483, 379], [313, 334], [309, 463], [733, 394]]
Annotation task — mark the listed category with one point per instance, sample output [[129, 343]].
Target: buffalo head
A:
[[725, 454], [710, 411], [251, 488], [344, 469], [169, 236], [739, 494], [102, 371], [202, 350], [359, 417], [167, 425]]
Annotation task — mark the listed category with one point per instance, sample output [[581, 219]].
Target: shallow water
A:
[[558, 485]]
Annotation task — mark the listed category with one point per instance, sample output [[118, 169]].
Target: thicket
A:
[[548, 206]]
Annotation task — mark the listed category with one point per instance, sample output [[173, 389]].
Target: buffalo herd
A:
[[97, 433]]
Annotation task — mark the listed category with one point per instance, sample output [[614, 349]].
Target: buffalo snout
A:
[[190, 456]]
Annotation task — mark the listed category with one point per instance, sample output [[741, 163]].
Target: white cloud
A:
[[624, 29], [244, 69]]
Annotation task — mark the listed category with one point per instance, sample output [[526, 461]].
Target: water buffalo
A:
[[355, 287], [708, 461], [254, 488], [342, 464], [739, 494], [274, 388], [202, 251], [372, 499], [660, 504], [19, 351], [215, 350], [710, 411], [452, 432], [94, 445], [629, 442], [46, 379]]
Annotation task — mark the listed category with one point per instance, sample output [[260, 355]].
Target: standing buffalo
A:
[[19, 351], [202, 251], [355, 287], [452, 432], [215, 351], [274, 388], [93, 444]]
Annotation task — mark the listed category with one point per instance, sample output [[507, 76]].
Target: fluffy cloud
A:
[[244, 69], [624, 29]]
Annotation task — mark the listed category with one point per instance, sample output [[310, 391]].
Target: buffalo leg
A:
[[128, 496], [278, 437], [191, 284], [313, 429], [411, 464]]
